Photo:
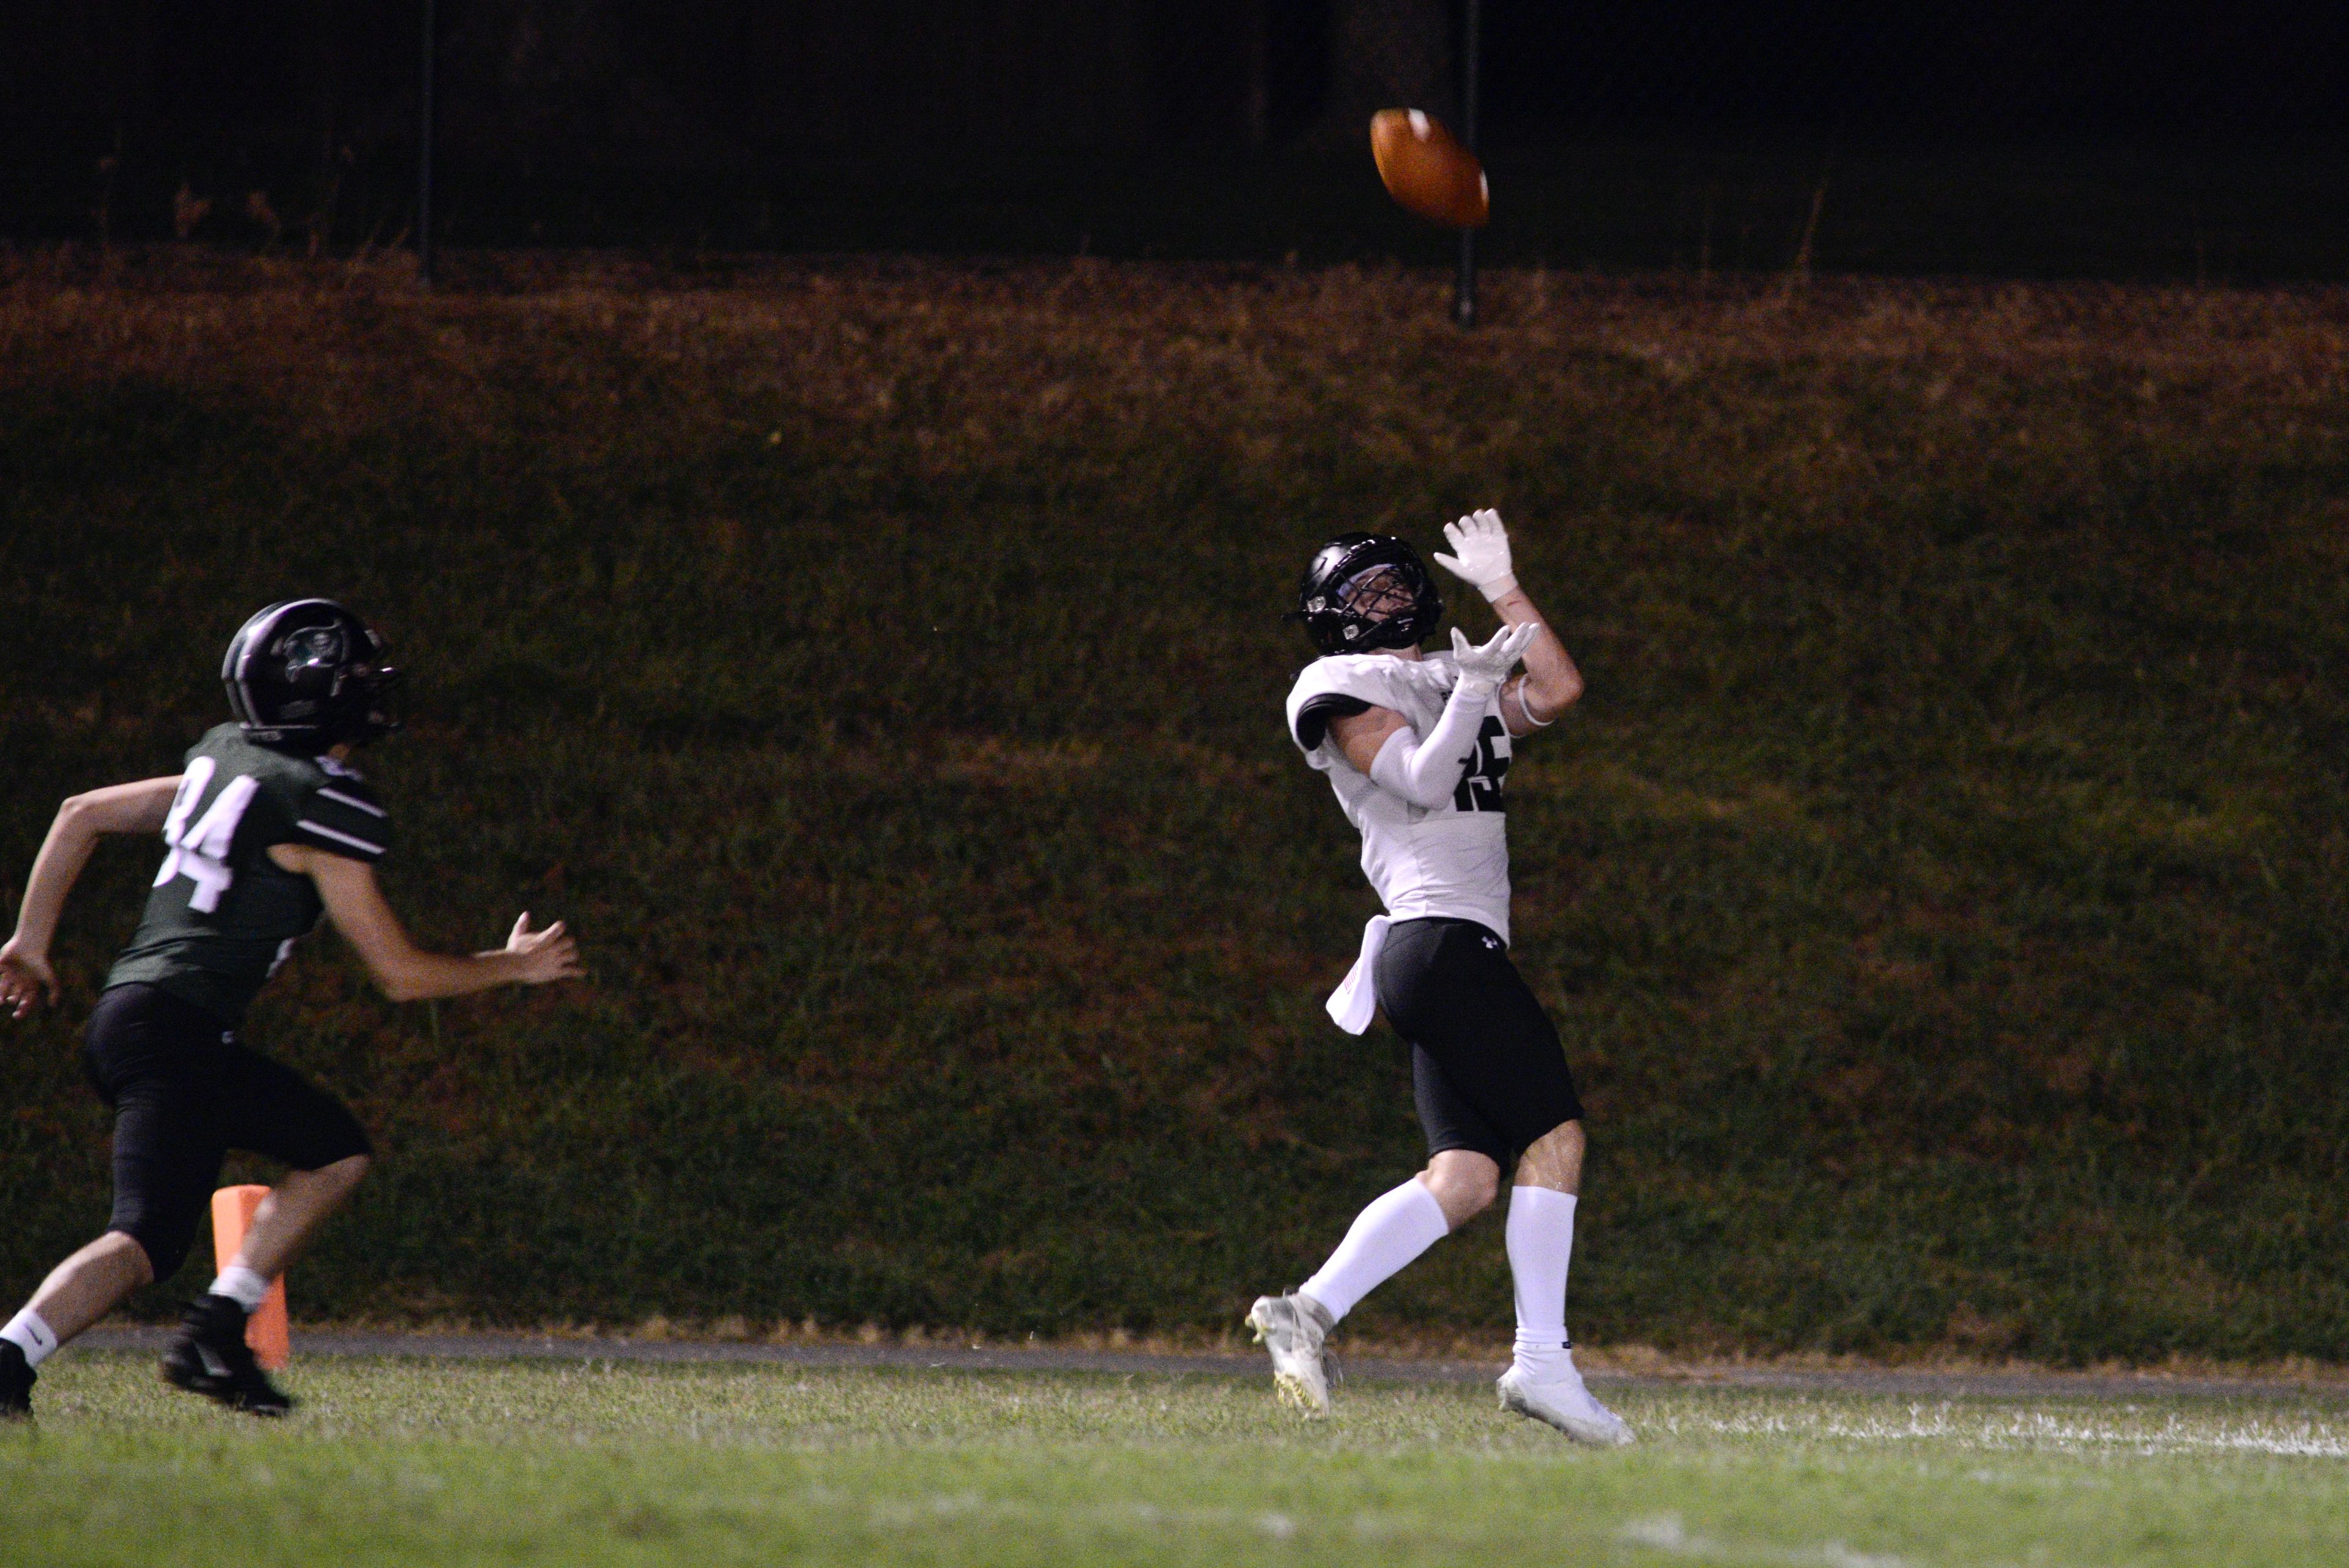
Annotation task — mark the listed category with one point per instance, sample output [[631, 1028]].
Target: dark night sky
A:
[[314, 100], [1109, 71], [2087, 68]]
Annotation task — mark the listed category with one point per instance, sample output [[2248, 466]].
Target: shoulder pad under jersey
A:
[[341, 814], [1349, 682]]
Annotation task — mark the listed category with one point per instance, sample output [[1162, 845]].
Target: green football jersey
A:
[[224, 916]]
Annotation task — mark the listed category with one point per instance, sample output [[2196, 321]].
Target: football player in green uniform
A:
[[266, 827]]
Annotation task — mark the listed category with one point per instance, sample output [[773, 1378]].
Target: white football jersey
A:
[[1452, 860]]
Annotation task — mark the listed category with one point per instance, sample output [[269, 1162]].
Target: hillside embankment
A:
[[1939, 891]]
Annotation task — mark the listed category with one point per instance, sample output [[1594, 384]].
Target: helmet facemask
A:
[[1378, 594]]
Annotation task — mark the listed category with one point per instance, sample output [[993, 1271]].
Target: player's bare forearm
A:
[[419, 976], [138, 807], [1550, 684], [1482, 557], [401, 969], [56, 870]]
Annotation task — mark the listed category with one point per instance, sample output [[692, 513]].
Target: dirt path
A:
[[945, 1357]]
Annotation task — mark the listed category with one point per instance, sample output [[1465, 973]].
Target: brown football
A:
[[1426, 170]]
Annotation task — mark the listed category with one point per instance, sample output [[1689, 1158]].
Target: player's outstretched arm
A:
[[1425, 770], [1482, 558], [404, 972], [26, 973]]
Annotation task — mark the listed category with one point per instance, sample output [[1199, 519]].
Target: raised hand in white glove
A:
[[1425, 771], [1481, 554], [1481, 669]]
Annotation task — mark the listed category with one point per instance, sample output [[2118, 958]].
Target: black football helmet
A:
[[307, 674], [1338, 613]]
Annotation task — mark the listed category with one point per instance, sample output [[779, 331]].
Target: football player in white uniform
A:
[[1417, 747]]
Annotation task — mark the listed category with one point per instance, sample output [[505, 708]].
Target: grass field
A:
[[1941, 891], [399, 1462]]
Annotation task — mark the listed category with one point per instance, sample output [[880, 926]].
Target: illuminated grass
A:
[[393, 1463]]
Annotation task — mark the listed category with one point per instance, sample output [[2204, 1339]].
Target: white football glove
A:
[[1481, 554], [1481, 669]]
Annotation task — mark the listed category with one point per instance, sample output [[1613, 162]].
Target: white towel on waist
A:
[[1357, 996]]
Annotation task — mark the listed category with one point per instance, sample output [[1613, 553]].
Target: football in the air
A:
[[1427, 171]]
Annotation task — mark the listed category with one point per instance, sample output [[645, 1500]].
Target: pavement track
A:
[[946, 1356]]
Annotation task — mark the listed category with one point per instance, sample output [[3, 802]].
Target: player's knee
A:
[[1553, 1159], [345, 1173], [162, 1243], [134, 1252], [1464, 1184]]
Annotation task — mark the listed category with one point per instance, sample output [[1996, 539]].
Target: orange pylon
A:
[[265, 1330]]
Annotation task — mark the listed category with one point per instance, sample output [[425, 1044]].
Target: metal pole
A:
[[428, 135], [1472, 41]]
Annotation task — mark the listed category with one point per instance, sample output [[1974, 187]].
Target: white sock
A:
[[241, 1285], [1397, 1226], [29, 1332], [1541, 1240]]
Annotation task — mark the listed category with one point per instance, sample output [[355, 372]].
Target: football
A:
[[1427, 171]]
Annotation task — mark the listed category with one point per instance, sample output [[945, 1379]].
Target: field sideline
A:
[[398, 1462], [1379, 1361]]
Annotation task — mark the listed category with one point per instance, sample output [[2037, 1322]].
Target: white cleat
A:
[[1291, 1327], [1563, 1402]]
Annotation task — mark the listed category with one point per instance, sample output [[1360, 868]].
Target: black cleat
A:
[[16, 1380], [209, 1356]]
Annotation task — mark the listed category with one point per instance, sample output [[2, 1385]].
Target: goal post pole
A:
[[1472, 41], [428, 135]]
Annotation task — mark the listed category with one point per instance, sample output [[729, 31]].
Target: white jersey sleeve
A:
[[1348, 683]]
